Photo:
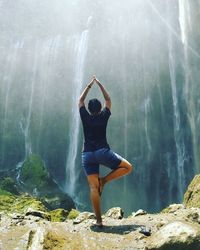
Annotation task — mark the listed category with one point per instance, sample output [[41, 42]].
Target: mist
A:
[[146, 53]]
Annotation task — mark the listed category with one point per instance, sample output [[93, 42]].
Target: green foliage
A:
[[73, 214], [9, 185], [4, 192], [59, 215], [33, 173]]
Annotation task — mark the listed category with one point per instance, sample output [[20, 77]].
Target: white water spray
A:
[[25, 122], [8, 81], [193, 111], [71, 173], [180, 146]]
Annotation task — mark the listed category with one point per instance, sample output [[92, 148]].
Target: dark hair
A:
[[94, 106]]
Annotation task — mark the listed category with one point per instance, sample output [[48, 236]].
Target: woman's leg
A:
[[124, 168], [93, 181]]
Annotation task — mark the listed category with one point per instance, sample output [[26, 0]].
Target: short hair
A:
[[94, 106]]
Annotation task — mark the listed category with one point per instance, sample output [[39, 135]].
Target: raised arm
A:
[[105, 94], [85, 92]]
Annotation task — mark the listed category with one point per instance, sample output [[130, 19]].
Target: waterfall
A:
[[81, 52], [185, 26], [149, 56], [26, 126], [25, 122], [8, 81], [180, 146], [49, 49]]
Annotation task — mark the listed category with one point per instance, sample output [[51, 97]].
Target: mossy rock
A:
[[6, 200], [10, 203], [53, 240], [8, 184], [59, 215], [73, 214], [57, 200], [33, 173], [192, 195], [4, 192], [25, 202]]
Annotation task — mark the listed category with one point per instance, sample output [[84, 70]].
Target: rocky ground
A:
[[175, 228], [178, 228]]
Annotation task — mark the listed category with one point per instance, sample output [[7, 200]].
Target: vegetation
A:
[[33, 173], [8, 184], [19, 204], [59, 215], [73, 214]]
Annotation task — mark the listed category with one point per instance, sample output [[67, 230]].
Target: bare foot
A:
[[98, 224]]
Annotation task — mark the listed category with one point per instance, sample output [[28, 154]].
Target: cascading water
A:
[[7, 80], [180, 148], [48, 60], [179, 140], [81, 52], [147, 56], [25, 122], [193, 113]]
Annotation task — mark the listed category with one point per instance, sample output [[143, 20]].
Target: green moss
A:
[[73, 214], [192, 195], [53, 240], [33, 173], [4, 192], [9, 185], [6, 201], [19, 204], [59, 215]]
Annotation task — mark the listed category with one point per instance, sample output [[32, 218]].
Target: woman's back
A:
[[94, 128]]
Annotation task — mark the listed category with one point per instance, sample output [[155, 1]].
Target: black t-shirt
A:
[[94, 128]]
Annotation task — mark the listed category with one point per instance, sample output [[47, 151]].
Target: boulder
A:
[[83, 216], [139, 212], [37, 213], [115, 213], [173, 208], [176, 235], [193, 214], [38, 183], [192, 194], [57, 199]]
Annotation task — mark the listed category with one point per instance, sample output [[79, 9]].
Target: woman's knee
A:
[[93, 183]]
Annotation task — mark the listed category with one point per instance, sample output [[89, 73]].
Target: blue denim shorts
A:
[[103, 156]]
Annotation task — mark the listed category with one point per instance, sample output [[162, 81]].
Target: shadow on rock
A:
[[116, 229]]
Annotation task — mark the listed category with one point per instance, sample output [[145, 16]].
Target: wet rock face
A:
[[192, 195]]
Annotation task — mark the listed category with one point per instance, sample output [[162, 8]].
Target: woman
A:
[[96, 149]]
